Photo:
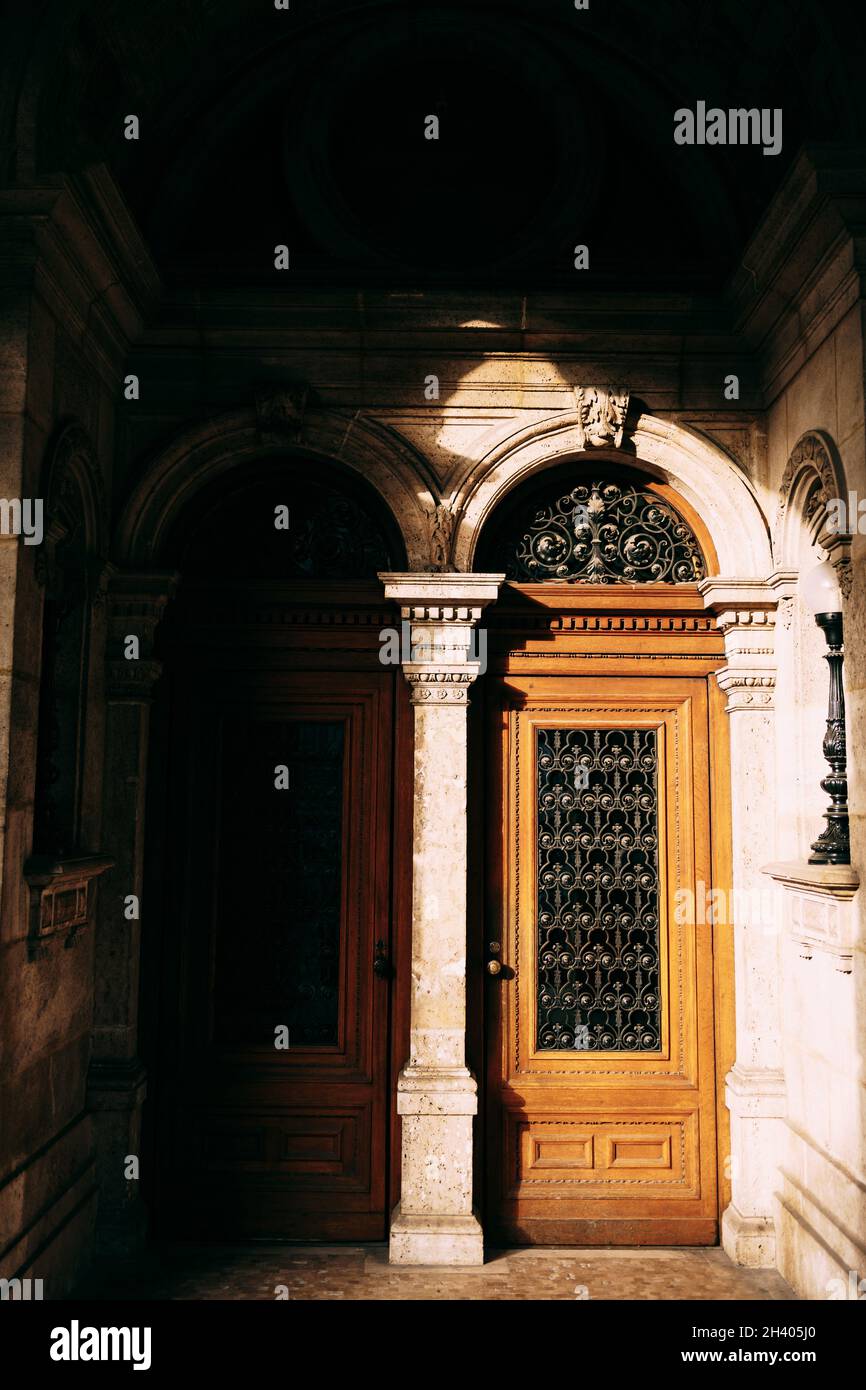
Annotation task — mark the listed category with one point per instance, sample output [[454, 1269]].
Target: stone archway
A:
[[703, 474], [279, 426], [280, 423], [743, 597]]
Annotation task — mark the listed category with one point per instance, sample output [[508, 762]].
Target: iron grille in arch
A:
[[603, 533], [598, 890]]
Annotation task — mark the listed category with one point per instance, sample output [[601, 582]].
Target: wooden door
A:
[[274, 1076], [601, 1070]]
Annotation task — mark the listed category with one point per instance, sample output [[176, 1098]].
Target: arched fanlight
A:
[[600, 532]]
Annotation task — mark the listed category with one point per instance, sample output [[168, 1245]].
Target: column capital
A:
[[441, 612], [745, 611], [431, 686], [442, 598], [135, 603], [742, 603], [138, 593]]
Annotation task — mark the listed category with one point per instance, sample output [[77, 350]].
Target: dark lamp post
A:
[[820, 590]]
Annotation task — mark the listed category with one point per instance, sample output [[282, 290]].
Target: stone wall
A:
[[813, 358], [59, 388]]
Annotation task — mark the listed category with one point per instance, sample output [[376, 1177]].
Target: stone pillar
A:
[[755, 1089], [434, 1222], [116, 1079]]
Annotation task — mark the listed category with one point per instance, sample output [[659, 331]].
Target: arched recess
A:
[[714, 489], [66, 826], [814, 477], [225, 443], [805, 532], [69, 569]]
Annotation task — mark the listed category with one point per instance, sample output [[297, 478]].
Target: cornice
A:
[[802, 269], [74, 239]]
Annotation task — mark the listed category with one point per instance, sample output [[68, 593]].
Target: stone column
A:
[[755, 1089], [116, 1080], [434, 1222]]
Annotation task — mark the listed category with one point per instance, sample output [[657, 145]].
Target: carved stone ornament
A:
[[281, 408], [845, 575], [810, 483], [441, 520], [601, 414], [439, 687], [810, 451]]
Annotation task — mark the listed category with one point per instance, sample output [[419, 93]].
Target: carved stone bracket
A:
[[62, 898], [821, 915]]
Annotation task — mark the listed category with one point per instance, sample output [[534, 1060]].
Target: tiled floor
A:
[[363, 1273]]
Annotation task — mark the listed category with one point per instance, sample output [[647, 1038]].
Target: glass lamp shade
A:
[[820, 590]]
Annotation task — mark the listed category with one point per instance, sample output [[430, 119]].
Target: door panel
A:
[[285, 897], [601, 1088]]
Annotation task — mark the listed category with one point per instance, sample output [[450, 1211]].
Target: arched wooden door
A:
[[606, 991], [272, 857]]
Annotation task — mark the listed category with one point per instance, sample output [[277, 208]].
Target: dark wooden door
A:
[[274, 1070]]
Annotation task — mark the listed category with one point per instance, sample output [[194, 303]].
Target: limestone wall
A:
[[821, 1190]]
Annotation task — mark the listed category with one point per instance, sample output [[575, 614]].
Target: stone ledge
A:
[[820, 915], [833, 880], [61, 897], [756, 1092]]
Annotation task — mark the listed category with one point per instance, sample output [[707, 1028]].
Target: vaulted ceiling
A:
[[306, 127]]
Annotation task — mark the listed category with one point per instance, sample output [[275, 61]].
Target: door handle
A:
[[381, 963], [494, 967]]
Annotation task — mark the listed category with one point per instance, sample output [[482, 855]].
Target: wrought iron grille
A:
[[605, 534], [598, 890]]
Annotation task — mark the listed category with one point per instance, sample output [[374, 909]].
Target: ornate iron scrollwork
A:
[[598, 890], [333, 537], [606, 534]]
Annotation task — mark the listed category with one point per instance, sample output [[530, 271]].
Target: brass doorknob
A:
[[493, 967]]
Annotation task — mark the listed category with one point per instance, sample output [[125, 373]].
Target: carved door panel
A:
[[601, 1067], [275, 1092]]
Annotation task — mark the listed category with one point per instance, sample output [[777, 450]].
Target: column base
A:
[[418, 1238], [749, 1240]]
